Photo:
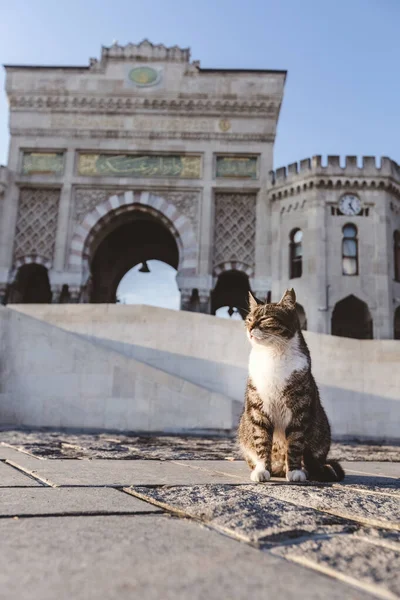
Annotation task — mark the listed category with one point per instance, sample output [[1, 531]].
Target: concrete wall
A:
[[359, 380], [53, 378]]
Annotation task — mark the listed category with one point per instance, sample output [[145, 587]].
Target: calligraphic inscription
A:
[[44, 163], [244, 167], [125, 165], [144, 76]]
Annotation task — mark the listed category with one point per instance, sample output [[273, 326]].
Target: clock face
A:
[[350, 204]]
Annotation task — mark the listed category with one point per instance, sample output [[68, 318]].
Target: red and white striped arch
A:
[[179, 225], [29, 259], [233, 265]]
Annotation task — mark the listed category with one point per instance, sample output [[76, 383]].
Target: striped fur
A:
[[284, 430]]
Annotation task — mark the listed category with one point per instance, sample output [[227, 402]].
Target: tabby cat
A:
[[284, 430]]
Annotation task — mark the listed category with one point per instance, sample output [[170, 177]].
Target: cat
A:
[[283, 430]]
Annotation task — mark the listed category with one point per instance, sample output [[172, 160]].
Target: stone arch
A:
[[233, 266], [232, 290], [180, 227], [29, 259], [30, 285], [351, 318]]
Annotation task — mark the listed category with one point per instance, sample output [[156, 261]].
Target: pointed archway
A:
[[232, 290], [124, 242], [351, 318], [95, 224], [31, 285]]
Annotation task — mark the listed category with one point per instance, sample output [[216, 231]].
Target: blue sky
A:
[[343, 89]]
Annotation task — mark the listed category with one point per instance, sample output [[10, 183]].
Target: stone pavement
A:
[[113, 516]]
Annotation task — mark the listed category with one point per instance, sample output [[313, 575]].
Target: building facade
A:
[[145, 155]]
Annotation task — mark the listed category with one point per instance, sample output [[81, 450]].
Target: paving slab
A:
[[69, 501], [355, 558], [120, 473], [54, 444], [286, 519], [149, 557], [379, 469], [10, 477], [246, 512], [374, 509], [8, 453]]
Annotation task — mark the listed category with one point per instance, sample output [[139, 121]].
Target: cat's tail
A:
[[330, 471]]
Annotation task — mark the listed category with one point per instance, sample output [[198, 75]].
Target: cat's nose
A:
[[256, 332]]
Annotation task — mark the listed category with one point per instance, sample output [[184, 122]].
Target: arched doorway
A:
[[232, 290], [31, 285], [397, 323], [153, 284], [351, 318], [129, 239]]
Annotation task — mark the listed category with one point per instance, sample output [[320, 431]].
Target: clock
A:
[[350, 205]]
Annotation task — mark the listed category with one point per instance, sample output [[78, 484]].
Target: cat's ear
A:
[[288, 299], [253, 301]]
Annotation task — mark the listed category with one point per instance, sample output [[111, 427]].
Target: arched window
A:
[[296, 254], [396, 251], [350, 250]]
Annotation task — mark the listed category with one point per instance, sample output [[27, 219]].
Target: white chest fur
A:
[[270, 370]]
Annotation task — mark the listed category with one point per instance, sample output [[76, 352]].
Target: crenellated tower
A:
[[334, 237]]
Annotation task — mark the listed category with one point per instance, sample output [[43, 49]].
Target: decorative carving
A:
[[86, 199], [240, 167], [185, 167], [43, 163], [186, 202], [147, 51], [224, 125], [36, 227], [235, 228], [145, 76], [128, 105]]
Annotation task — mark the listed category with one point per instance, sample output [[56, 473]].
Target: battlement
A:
[[368, 167], [146, 51]]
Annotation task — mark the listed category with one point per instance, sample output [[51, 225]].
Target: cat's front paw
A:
[[258, 475], [296, 475]]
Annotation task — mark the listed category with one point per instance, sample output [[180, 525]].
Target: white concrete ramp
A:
[[54, 378], [359, 380]]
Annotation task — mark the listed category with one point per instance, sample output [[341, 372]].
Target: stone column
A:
[[262, 253], [9, 214], [276, 251], [315, 252], [383, 310], [64, 209], [195, 300], [206, 218]]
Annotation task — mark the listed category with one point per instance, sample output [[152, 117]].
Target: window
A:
[[396, 251], [296, 253], [350, 250]]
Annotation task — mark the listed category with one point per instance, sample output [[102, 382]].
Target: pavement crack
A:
[[31, 474]]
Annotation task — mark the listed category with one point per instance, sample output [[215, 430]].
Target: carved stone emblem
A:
[[144, 76], [225, 125]]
